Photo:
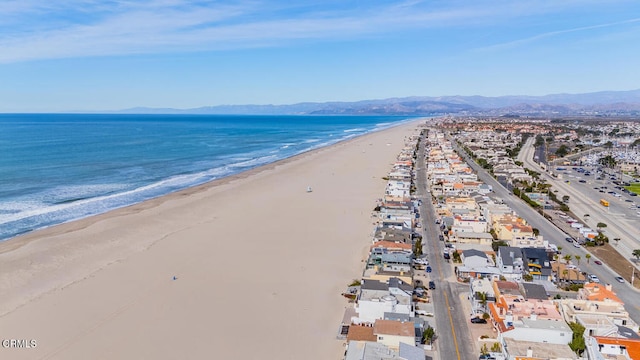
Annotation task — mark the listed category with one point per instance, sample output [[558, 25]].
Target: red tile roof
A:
[[632, 345]]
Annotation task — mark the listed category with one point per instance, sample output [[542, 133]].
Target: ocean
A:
[[55, 168]]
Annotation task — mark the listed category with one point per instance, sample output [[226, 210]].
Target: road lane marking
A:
[[453, 331]]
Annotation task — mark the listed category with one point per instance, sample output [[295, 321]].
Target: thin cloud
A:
[[524, 41], [120, 27], [176, 26]]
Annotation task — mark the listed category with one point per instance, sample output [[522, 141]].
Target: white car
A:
[[421, 261], [593, 278], [576, 244]]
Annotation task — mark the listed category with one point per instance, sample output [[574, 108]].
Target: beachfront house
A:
[[398, 260], [403, 235], [377, 298], [392, 333], [373, 350]]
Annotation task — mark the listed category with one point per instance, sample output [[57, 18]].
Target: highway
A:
[[554, 235], [453, 336], [621, 221]]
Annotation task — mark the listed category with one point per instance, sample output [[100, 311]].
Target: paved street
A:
[[454, 339], [585, 200], [555, 236]]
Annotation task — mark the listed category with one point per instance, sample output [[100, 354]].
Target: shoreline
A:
[[253, 248], [18, 239]]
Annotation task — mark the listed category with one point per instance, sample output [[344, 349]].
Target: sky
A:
[[100, 55]]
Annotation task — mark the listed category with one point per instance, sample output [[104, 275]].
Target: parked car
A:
[[593, 278], [428, 269], [421, 261], [619, 279], [432, 285], [478, 320], [576, 244]]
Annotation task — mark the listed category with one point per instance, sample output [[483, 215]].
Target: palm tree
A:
[[588, 257], [636, 253], [428, 335], [577, 257], [482, 296], [601, 225], [565, 274], [601, 239], [567, 258]]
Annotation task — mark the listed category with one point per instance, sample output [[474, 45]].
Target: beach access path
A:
[[247, 267]]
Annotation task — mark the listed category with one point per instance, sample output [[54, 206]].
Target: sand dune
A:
[[259, 266]]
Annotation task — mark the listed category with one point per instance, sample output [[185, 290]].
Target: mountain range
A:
[[604, 103]]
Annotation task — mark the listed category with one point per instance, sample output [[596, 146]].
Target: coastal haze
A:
[[606, 103]]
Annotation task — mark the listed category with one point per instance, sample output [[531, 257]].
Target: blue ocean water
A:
[[60, 167]]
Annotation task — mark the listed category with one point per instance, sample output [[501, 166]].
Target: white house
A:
[[539, 330], [511, 262], [377, 298]]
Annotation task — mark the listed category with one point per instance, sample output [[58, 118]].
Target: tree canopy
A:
[[562, 151], [607, 161]]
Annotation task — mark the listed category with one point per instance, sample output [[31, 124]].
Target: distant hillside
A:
[[599, 103]]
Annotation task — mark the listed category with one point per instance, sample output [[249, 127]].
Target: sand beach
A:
[[247, 267]]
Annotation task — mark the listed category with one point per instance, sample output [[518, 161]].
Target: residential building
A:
[[531, 350], [481, 293], [391, 333], [598, 292], [510, 261], [543, 331], [377, 298], [604, 348]]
